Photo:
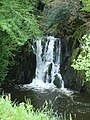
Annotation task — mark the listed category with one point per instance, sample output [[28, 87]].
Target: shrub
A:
[[22, 111], [83, 61], [86, 4]]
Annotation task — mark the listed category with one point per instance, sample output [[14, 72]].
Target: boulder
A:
[[57, 82]]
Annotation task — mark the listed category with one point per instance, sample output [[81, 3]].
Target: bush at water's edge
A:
[[24, 111]]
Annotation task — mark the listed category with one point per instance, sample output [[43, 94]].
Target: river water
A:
[[48, 84], [63, 100]]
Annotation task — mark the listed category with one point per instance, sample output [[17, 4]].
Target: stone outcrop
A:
[[73, 79], [70, 34], [24, 70]]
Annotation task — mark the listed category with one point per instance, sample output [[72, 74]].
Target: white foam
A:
[[46, 56]]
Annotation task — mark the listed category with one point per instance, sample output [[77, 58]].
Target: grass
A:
[[23, 111], [11, 111]]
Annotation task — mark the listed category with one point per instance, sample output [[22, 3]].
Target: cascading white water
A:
[[48, 61], [48, 77]]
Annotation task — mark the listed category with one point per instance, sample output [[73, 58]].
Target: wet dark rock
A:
[[26, 67], [24, 70], [72, 79], [49, 69], [57, 82]]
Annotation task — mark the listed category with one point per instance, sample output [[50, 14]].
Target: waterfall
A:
[[47, 77], [48, 53]]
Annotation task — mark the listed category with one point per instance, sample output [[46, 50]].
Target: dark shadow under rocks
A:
[[24, 70]]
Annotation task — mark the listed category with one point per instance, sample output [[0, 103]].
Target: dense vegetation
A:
[[17, 24], [59, 13], [86, 4], [11, 111], [22, 111], [82, 63], [58, 17]]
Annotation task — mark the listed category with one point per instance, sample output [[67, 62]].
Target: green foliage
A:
[[83, 61], [59, 13], [11, 111], [86, 4], [22, 111], [64, 116], [17, 24], [17, 19]]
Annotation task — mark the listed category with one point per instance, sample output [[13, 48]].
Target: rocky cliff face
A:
[[70, 34], [26, 65], [24, 70], [72, 79]]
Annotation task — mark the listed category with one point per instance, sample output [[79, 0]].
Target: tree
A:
[[17, 24], [86, 4]]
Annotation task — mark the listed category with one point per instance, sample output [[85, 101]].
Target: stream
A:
[[62, 100], [48, 84]]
